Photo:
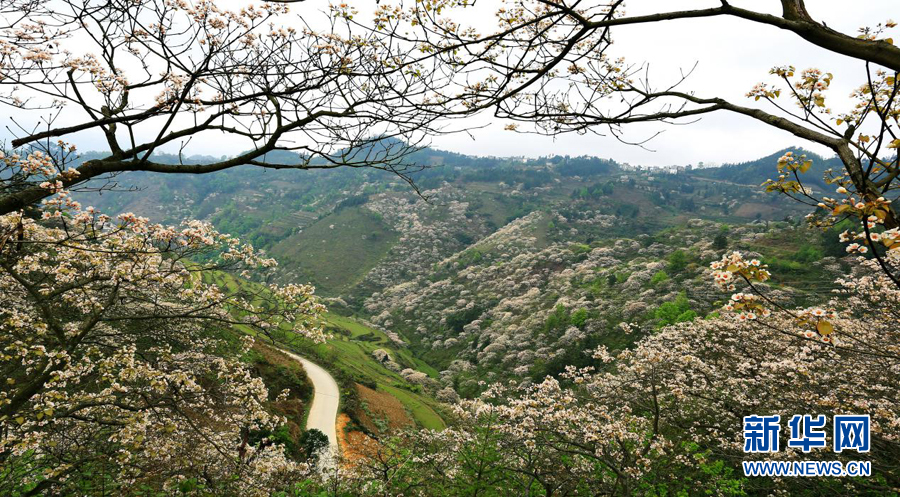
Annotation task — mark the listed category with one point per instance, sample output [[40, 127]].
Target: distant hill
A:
[[505, 266], [757, 171], [342, 229]]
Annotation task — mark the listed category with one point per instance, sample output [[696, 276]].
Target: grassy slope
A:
[[781, 251], [336, 258], [351, 352], [279, 372]]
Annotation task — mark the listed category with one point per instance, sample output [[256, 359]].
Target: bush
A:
[[678, 260], [558, 319], [720, 242], [579, 248], [312, 442], [579, 318], [677, 311], [659, 277], [808, 253]]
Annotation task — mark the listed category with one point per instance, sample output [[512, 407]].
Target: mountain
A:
[[502, 267], [757, 171]]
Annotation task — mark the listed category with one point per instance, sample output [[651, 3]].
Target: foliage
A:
[[808, 253], [118, 371], [312, 442], [579, 318], [720, 242], [558, 319], [659, 277], [678, 260], [676, 311]]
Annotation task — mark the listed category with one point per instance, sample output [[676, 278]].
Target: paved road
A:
[[326, 397]]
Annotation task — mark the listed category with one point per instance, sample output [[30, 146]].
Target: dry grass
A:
[[352, 442], [382, 411], [275, 356]]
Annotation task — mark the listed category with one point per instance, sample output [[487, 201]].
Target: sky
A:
[[731, 56]]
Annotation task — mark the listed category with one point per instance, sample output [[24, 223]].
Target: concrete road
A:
[[326, 398]]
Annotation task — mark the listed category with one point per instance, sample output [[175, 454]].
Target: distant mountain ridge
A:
[[751, 172], [338, 227], [757, 171]]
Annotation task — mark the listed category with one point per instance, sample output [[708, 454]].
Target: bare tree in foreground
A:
[[147, 75]]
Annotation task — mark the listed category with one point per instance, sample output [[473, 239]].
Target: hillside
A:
[[373, 369], [757, 171], [502, 267]]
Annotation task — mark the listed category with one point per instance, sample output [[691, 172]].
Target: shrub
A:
[[678, 260], [659, 277], [579, 318]]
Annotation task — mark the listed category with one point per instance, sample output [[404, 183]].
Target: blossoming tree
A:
[[144, 76], [119, 372]]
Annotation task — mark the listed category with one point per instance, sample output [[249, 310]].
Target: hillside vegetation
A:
[[501, 268]]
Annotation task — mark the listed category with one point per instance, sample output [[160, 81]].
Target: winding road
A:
[[326, 399]]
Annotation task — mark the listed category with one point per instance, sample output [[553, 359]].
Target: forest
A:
[[240, 253]]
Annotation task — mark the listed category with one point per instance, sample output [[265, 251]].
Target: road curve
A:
[[326, 398]]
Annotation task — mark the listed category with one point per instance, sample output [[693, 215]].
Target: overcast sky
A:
[[732, 55]]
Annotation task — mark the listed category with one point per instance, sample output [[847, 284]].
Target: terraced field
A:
[[336, 251]]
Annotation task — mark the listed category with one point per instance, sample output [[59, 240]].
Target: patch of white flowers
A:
[[111, 337]]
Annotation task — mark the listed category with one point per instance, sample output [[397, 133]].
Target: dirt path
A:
[[326, 398]]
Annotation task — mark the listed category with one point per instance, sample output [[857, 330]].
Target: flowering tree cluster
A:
[[667, 415], [486, 308], [118, 368]]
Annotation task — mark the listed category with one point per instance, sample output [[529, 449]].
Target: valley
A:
[[429, 248], [501, 268]]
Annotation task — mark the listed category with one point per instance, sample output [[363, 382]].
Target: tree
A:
[[151, 75], [120, 374], [313, 442], [579, 318], [558, 319], [677, 311], [678, 260], [659, 277], [552, 63], [720, 241]]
